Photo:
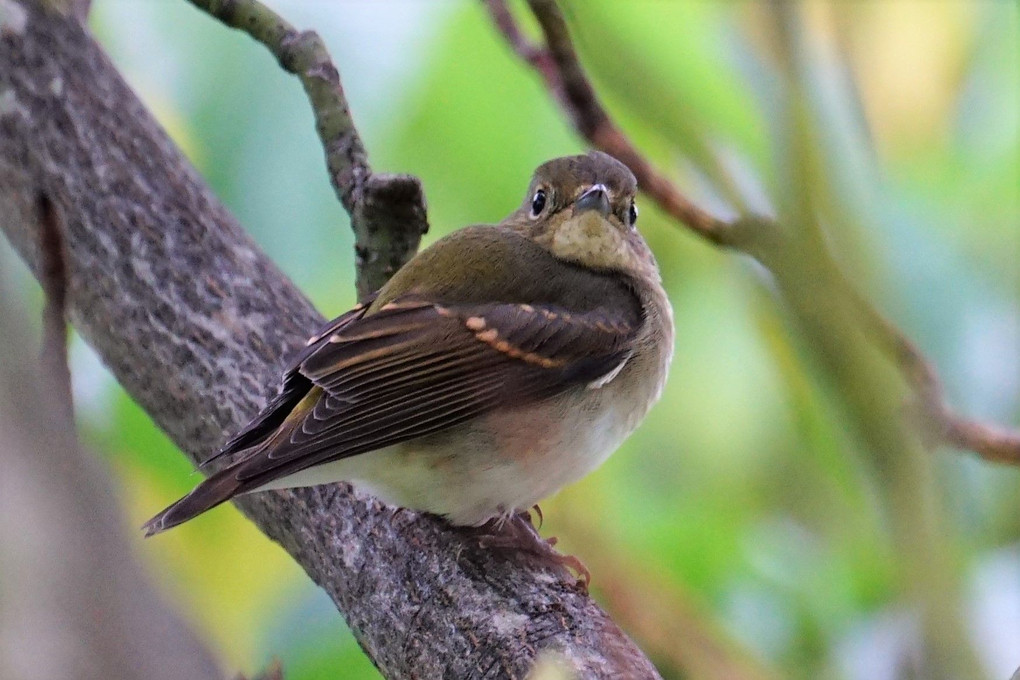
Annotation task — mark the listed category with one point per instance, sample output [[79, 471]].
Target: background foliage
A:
[[743, 496]]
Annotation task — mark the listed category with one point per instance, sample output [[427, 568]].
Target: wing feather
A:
[[295, 387]]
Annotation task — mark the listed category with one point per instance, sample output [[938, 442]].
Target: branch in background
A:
[[556, 61], [193, 321], [76, 602], [387, 212], [684, 639], [991, 442], [844, 334]]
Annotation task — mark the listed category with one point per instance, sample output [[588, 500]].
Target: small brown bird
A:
[[496, 366]]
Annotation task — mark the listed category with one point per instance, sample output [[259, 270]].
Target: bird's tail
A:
[[217, 489]]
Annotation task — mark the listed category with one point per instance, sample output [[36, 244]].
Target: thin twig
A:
[[991, 442], [385, 238], [556, 61], [53, 278]]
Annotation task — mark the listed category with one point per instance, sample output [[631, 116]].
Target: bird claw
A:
[[519, 534], [574, 562], [538, 512]]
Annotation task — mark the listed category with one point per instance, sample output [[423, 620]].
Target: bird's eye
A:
[[537, 203], [633, 213]]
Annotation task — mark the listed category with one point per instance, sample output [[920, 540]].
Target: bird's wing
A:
[[415, 367], [295, 386]]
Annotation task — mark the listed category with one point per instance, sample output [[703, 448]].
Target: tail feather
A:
[[217, 489]]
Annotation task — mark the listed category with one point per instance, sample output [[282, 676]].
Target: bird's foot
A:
[[517, 532]]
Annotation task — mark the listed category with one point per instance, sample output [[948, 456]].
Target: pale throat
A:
[[590, 239]]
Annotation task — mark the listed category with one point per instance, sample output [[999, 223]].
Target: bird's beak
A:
[[596, 198]]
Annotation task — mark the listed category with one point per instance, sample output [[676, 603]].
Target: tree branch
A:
[[557, 63], [194, 322], [387, 212]]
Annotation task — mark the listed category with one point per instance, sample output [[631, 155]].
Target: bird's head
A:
[[582, 210]]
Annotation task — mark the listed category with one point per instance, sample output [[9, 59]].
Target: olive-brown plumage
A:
[[496, 366]]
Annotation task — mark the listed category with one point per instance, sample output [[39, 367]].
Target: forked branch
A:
[[387, 211]]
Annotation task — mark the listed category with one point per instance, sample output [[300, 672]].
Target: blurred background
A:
[[743, 511]]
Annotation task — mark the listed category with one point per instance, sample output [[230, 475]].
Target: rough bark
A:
[[194, 322]]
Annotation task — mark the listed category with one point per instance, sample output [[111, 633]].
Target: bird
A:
[[496, 366]]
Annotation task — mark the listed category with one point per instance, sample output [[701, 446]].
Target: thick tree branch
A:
[[556, 61], [194, 322], [387, 211]]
